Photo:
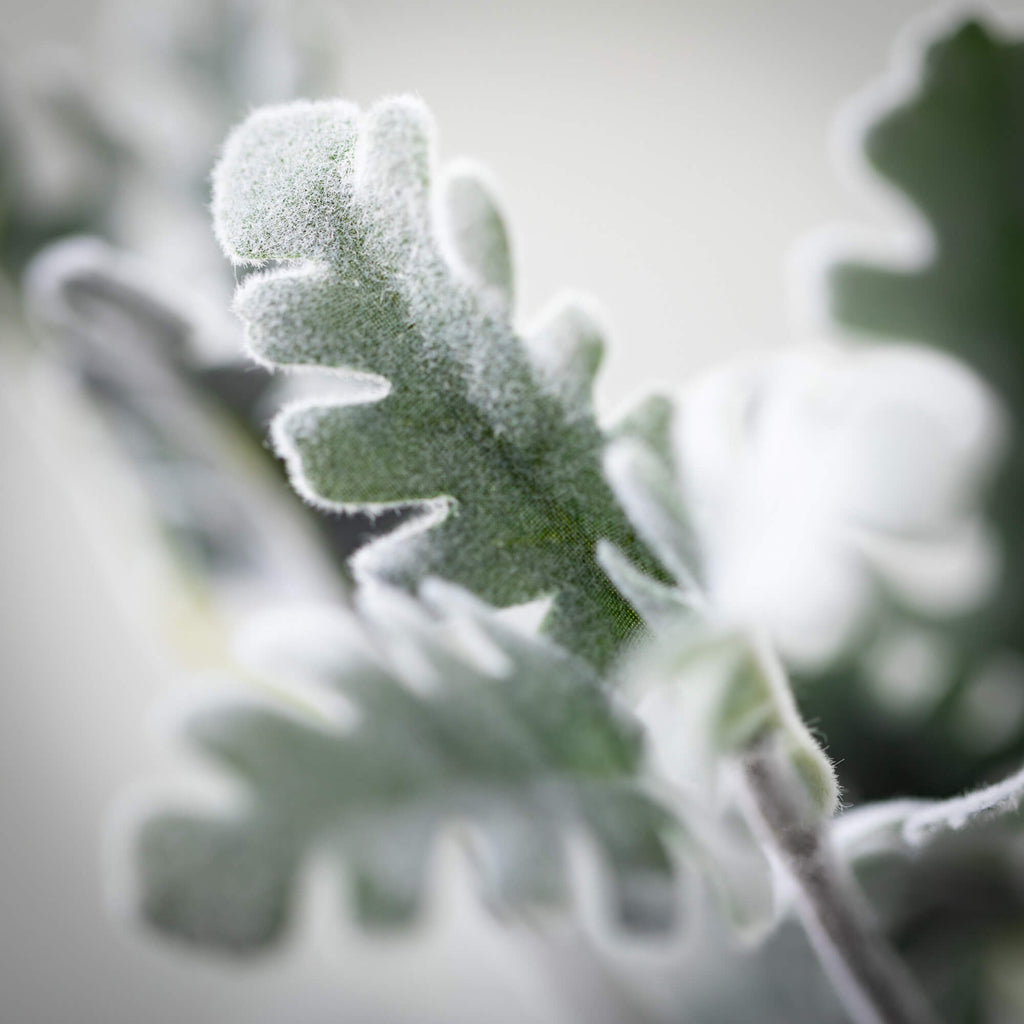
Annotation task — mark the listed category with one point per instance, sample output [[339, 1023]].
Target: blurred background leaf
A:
[[952, 147], [448, 717]]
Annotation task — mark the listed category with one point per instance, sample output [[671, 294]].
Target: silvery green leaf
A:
[[447, 716], [488, 434], [191, 429]]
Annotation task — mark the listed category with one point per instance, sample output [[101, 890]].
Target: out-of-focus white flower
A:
[[792, 485]]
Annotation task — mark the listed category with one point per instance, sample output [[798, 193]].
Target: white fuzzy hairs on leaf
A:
[[406, 286]]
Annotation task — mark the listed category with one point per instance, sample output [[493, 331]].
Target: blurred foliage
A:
[[81, 154], [192, 429], [61, 165], [490, 435], [954, 149], [439, 712], [458, 718]]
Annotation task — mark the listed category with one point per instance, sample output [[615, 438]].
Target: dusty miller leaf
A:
[[982, 804], [491, 435], [917, 822], [451, 716], [951, 146], [947, 896], [190, 428], [717, 688], [60, 164]]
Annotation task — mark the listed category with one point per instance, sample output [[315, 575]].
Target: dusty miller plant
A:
[[569, 631]]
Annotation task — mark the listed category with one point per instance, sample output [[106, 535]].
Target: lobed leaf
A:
[[950, 145], [453, 716], [490, 434]]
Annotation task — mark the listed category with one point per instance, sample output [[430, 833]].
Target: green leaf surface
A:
[[951, 145], [490, 433], [450, 716]]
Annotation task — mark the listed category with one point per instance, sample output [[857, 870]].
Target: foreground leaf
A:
[[490, 435]]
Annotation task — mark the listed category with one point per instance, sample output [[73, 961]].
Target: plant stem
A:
[[873, 984]]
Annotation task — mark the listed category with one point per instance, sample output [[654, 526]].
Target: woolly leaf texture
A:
[[449, 715], [406, 289]]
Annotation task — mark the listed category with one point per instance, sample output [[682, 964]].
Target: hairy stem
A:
[[870, 979]]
